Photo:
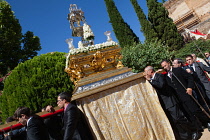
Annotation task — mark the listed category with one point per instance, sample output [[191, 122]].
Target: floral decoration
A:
[[93, 47]]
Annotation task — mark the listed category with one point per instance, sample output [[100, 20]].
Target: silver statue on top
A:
[[76, 19]]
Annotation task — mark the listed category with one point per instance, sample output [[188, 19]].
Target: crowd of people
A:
[[71, 125], [183, 89]]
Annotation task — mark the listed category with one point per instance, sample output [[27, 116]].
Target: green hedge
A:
[[35, 84], [198, 47], [139, 56]]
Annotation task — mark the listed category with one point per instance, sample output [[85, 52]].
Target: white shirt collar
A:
[[193, 66], [171, 69], [153, 76], [169, 72], [28, 120]]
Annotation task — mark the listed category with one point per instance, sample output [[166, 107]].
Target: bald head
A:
[[194, 57], [149, 68], [149, 72]]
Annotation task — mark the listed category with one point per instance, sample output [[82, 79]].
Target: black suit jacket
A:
[[17, 134], [180, 81], [199, 69], [54, 127], [75, 125], [194, 74], [36, 130], [164, 92]]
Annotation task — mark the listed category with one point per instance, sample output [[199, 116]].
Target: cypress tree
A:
[[35, 84], [122, 30], [146, 26], [163, 25]]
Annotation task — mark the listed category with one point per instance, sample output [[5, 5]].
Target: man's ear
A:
[[65, 100], [23, 116]]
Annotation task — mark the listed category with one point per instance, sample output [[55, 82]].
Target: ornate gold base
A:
[[93, 62]]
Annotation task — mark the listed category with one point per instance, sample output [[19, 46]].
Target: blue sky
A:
[[47, 19]]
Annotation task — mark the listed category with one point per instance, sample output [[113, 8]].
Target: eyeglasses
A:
[[58, 101], [17, 119]]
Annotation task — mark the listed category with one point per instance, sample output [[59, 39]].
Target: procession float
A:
[[118, 104]]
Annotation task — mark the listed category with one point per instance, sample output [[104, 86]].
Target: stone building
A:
[[190, 14]]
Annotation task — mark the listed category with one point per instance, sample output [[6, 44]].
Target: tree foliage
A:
[[11, 40], [163, 25], [35, 83], [138, 56], [10, 36], [31, 44], [146, 26], [198, 47], [122, 30]]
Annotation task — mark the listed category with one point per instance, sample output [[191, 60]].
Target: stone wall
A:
[[199, 13], [203, 27]]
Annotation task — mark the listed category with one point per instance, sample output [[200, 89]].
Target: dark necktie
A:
[[170, 74], [191, 68]]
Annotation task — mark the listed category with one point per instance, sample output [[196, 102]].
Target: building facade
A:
[[190, 14]]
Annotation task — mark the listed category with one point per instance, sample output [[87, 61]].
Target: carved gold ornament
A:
[[84, 64]]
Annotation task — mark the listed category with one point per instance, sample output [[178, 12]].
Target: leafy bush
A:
[[35, 84], [139, 56], [196, 47]]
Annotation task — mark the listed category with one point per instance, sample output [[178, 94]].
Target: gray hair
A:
[[149, 68]]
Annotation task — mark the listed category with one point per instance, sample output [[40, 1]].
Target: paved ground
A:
[[206, 135]]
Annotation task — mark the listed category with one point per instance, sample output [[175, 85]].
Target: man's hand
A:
[[6, 134], [189, 71], [189, 91], [160, 70], [49, 108], [148, 77]]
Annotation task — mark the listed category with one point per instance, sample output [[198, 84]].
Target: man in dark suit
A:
[[207, 55], [75, 126], [17, 134], [182, 83], [54, 126], [35, 127], [157, 80], [199, 91], [169, 103], [199, 69]]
